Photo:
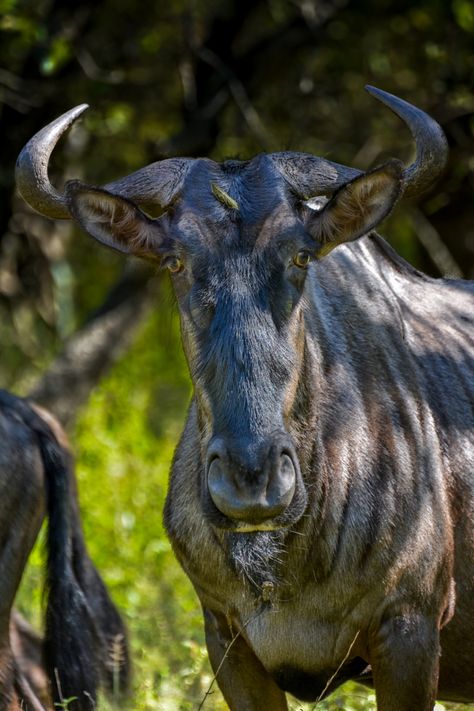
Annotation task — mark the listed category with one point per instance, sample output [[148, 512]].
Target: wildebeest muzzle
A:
[[254, 486]]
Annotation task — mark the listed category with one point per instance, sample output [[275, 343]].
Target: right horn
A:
[[155, 184], [31, 172], [430, 141]]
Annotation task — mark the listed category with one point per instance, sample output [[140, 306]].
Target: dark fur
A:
[[81, 621], [366, 367]]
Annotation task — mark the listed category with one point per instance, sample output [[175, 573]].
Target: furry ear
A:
[[357, 207], [114, 221]]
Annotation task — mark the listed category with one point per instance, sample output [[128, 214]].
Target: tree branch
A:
[[434, 245], [90, 353]]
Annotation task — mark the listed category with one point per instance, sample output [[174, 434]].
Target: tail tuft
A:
[[71, 638], [70, 644]]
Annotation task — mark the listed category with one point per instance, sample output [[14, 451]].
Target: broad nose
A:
[[251, 487]]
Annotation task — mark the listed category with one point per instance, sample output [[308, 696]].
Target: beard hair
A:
[[256, 557]]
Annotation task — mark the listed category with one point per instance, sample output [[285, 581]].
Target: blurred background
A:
[[96, 338]]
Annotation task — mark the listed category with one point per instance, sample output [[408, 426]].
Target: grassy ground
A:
[[124, 442]]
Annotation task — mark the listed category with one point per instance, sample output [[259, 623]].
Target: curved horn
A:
[[430, 141], [310, 176], [31, 171], [157, 183]]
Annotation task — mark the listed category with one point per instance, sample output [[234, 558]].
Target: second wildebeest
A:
[[85, 640], [321, 496]]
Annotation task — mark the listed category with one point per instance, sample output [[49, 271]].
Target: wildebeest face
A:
[[239, 280], [239, 245], [243, 335]]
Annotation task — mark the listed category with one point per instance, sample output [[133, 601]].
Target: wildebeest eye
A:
[[302, 259], [174, 264]]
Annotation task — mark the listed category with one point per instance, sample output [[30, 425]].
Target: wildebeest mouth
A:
[[256, 557], [241, 528], [254, 527]]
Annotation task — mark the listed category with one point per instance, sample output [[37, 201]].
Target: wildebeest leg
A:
[[28, 651], [404, 656], [29, 699], [16, 693], [8, 697], [21, 511], [244, 682], [12, 688]]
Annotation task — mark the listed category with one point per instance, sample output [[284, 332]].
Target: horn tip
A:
[[378, 93], [77, 111]]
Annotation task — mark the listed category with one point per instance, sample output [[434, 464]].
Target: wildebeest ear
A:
[[114, 221], [357, 207]]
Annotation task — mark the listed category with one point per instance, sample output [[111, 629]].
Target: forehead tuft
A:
[[233, 200], [254, 184]]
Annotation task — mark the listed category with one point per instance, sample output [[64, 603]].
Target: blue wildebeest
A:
[[83, 628], [321, 495]]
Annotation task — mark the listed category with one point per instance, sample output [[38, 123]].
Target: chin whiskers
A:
[[256, 557]]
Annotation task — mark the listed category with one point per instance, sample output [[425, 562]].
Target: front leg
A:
[[404, 654], [244, 682]]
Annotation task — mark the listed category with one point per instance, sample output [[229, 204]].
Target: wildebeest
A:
[[83, 628], [321, 495]]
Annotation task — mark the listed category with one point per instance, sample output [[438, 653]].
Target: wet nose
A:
[[251, 489]]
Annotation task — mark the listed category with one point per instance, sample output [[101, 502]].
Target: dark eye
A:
[[174, 264], [302, 259]]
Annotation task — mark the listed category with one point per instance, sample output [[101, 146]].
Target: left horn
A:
[[431, 144], [310, 176]]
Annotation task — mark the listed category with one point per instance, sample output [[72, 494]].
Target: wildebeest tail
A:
[[72, 641], [85, 639], [114, 653], [102, 641]]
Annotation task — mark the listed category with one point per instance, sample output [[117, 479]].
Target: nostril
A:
[[287, 468], [220, 485], [216, 450], [281, 486], [211, 458]]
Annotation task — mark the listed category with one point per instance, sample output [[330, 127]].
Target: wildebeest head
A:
[[238, 238]]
